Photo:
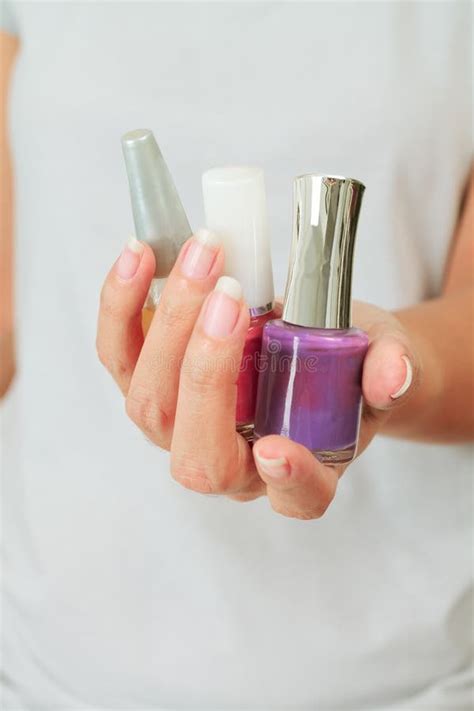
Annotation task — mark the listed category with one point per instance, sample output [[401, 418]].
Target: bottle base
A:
[[327, 456], [247, 431], [341, 456]]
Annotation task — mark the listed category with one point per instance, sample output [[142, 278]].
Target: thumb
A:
[[391, 371], [391, 368]]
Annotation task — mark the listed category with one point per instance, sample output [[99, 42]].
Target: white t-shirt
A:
[[122, 590]]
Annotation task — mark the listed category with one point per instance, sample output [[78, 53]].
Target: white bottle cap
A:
[[235, 208]]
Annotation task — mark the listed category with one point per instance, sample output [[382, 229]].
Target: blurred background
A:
[[120, 589]]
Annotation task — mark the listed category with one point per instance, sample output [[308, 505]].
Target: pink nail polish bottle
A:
[[235, 208]]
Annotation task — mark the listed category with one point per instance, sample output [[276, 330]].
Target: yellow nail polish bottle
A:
[[158, 213]]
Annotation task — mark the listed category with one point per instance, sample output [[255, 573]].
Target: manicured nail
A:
[[223, 308], [276, 467], [200, 254], [407, 381], [129, 260]]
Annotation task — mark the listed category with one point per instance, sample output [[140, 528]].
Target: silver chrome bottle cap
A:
[[158, 213], [318, 287]]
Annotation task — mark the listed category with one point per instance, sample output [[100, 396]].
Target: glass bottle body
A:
[[247, 382], [310, 388], [152, 299]]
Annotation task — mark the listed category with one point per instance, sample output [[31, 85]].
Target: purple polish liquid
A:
[[310, 387]]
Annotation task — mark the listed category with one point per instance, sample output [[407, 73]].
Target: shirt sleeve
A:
[[7, 18]]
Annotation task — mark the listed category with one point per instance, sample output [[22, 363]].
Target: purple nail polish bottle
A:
[[311, 367]]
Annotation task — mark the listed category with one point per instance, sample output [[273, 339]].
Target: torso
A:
[[122, 589]]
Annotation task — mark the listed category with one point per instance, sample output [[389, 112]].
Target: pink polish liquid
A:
[[247, 383], [235, 207]]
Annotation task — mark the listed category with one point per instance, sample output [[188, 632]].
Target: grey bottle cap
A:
[[318, 288], [158, 213]]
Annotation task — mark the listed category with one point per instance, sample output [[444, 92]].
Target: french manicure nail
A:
[[407, 381], [129, 260], [223, 308], [276, 467], [200, 255]]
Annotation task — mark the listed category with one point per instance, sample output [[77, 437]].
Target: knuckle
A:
[[192, 476], [105, 297], [146, 413], [307, 515], [202, 478], [118, 368], [319, 509], [254, 488], [174, 316], [111, 308], [302, 514], [198, 376], [244, 497], [111, 311], [205, 376]]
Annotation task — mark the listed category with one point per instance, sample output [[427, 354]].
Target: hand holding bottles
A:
[[180, 381]]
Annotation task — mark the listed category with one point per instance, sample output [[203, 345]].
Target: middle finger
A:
[[151, 400]]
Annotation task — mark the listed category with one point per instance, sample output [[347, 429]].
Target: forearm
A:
[[441, 407], [7, 360], [8, 48]]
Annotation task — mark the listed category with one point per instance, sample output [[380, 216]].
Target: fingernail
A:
[[223, 308], [129, 260], [200, 255], [407, 381], [277, 467]]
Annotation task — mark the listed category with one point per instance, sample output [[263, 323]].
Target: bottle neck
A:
[[260, 310], [154, 293]]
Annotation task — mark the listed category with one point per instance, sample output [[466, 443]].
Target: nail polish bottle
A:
[[158, 213], [310, 383], [235, 208]]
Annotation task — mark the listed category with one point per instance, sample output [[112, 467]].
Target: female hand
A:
[[179, 382]]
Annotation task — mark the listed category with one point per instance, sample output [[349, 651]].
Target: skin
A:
[[173, 380], [170, 403], [8, 50]]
